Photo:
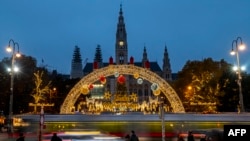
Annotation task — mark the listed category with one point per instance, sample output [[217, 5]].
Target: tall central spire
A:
[[166, 67], [120, 10], [121, 49]]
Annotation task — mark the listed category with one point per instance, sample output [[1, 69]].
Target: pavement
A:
[[5, 137]]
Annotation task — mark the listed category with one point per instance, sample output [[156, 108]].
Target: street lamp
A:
[[235, 51], [12, 70], [162, 117]]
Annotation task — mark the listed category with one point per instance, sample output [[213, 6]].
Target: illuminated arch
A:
[[146, 74]]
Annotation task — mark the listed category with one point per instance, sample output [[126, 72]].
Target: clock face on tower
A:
[[121, 43]]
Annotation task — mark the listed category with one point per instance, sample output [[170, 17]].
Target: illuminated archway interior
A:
[[163, 86]]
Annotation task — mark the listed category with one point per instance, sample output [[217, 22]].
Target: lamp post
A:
[[162, 117], [236, 52], [13, 57]]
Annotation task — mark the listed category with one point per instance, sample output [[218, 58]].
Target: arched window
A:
[[121, 58]]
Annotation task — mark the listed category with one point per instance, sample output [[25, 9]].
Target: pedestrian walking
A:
[[203, 138], [133, 136], [127, 137], [190, 136], [21, 137], [1, 127], [180, 138], [55, 137]]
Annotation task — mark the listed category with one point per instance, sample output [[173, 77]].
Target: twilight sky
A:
[[191, 29]]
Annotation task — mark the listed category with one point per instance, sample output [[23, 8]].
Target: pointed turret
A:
[[144, 57], [76, 64], [98, 56], [166, 67], [121, 49]]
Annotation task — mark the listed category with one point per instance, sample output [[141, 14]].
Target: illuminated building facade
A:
[[121, 57]]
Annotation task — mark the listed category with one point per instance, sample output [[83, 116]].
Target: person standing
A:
[[133, 136], [21, 137], [55, 137]]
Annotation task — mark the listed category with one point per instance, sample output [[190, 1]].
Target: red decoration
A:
[[103, 82], [111, 60], [91, 86], [102, 79], [131, 60], [121, 79], [147, 64], [95, 65]]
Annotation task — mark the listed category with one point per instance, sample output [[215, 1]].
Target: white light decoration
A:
[[154, 86], [116, 74], [139, 80]]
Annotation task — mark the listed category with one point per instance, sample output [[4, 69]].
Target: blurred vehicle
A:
[[86, 135], [198, 134], [215, 135], [211, 134]]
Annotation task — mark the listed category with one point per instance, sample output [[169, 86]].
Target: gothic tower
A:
[[166, 68], [76, 64], [98, 56], [121, 48]]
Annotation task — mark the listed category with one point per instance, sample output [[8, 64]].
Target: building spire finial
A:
[[121, 8]]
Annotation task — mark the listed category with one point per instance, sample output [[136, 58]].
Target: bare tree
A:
[[40, 89]]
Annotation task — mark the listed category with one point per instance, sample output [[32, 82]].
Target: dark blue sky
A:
[[191, 29]]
